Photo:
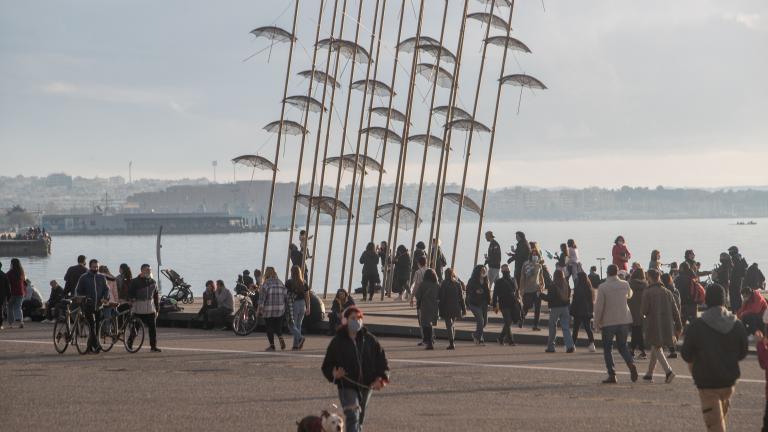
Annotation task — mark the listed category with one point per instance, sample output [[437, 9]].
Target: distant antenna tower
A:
[[215, 164], [130, 168]]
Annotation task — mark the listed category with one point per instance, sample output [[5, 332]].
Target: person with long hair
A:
[[669, 284], [402, 273], [655, 263], [582, 308], [478, 299], [661, 325], [426, 304], [532, 286], [272, 302], [638, 284], [558, 297], [685, 281], [16, 279], [450, 302], [340, 303], [562, 259], [573, 262], [621, 254], [298, 291], [370, 260], [123, 281]]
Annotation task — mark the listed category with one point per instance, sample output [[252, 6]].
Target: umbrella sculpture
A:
[[289, 128], [444, 78], [347, 162], [429, 140], [381, 132], [522, 81], [273, 35], [467, 125], [407, 219], [394, 115], [348, 49], [458, 113], [374, 87], [437, 51], [319, 77], [468, 203], [305, 103], [496, 21], [409, 44], [255, 162], [509, 42]]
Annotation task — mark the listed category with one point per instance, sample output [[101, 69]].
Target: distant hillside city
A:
[[64, 194]]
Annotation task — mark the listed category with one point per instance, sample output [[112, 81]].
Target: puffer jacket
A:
[[363, 359]]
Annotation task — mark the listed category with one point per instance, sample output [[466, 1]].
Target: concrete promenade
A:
[[213, 380]]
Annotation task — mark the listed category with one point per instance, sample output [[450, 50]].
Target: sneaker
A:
[[475, 340], [282, 342], [155, 349], [633, 372], [301, 342], [270, 348], [591, 347], [451, 347], [548, 350], [421, 343], [570, 350], [481, 343], [670, 377], [672, 355], [648, 378], [610, 380]]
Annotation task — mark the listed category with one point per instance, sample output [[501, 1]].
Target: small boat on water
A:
[[746, 223]]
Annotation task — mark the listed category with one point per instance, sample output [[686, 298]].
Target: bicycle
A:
[[245, 319], [72, 328], [113, 329]]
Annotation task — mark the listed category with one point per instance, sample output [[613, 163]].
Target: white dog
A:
[[326, 422]]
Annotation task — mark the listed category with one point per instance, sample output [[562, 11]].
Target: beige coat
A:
[[662, 318], [611, 305]]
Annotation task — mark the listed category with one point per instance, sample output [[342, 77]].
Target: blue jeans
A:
[[562, 314], [481, 320], [354, 403], [299, 307], [14, 309], [620, 332]]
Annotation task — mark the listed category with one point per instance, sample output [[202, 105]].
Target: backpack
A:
[[697, 292]]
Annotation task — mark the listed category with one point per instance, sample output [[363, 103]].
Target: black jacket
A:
[[93, 286], [521, 256], [403, 267], [5, 286], [715, 355], [364, 360], [505, 292], [416, 254], [450, 300], [478, 294], [683, 284], [370, 262], [754, 278], [494, 255], [553, 297], [739, 267], [72, 277], [57, 295]]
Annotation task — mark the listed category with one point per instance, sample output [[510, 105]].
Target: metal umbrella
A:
[[458, 113], [467, 125], [255, 162], [348, 49], [495, 20], [508, 42], [438, 51], [320, 77], [374, 87], [289, 128], [274, 35], [408, 45], [347, 163], [407, 219], [444, 78], [468, 203], [429, 140], [304, 103], [522, 81], [382, 133], [393, 113]]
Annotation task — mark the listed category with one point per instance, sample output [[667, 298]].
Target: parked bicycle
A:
[[245, 319], [114, 329], [71, 328]]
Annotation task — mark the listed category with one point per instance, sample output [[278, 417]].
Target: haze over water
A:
[[222, 256]]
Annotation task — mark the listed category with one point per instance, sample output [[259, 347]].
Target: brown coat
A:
[[662, 318]]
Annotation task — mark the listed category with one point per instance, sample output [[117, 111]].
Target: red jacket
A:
[[621, 256], [755, 304], [762, 357], [16, 279]]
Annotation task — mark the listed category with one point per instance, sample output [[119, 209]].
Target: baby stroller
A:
[[181, 291]]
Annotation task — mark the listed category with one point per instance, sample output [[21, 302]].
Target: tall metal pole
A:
[[303, 140], [367, 139], [389, 118], [429, 136], [395, 216], [357, 151], [442, 172], [469, 141], [493, 131], [279, 136], [341, 150], [327, 138]]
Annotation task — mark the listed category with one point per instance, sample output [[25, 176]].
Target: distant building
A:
[[144, 223], [59, 180]]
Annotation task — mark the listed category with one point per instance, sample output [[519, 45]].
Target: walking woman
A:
[[123, 282], [298, 291], [16, 278], [427, 305], [573, 262], [638, 284], [450, 302], [478, 299], [559, 298], [401, 273], [272, 302], [370, 261], [532, 286], [621, 254], [662, 325], [669, 284], [582, 308]]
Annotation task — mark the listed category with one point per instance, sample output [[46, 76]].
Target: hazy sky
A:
[[640, 93]]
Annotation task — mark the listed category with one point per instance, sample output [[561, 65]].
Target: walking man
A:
[[357, 364], [506, 299], [612, 315], [492, 258], [93, 286], [714, 344], [144, 299], [662, 324]]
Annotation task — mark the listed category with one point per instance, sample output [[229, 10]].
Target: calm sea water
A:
[[222, 256]]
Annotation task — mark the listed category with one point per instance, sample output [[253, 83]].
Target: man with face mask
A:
[[144, 299], [357, 364], [93, 286]]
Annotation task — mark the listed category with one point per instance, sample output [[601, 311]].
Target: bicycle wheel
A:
[[134, 335], [252, 321], [82, 335], [107, 333], [60, 336], [239, 322]]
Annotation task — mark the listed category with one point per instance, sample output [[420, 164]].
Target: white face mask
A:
[[355, 325], [534, 259]]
